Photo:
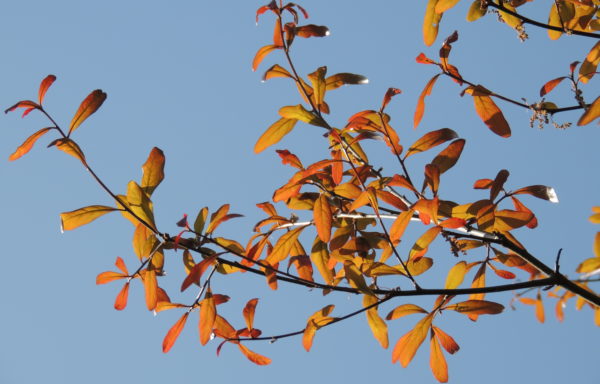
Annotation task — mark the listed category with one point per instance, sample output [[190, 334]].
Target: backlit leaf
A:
[[312, 30], [437, 361], [196, 272], [449, 156], [589, 265], [431, 23], [407, 345], [153, 170], [489, 112], [446, 341], [317, 79], [298, 112], [391, 92], [208, 314], [28, 144], [507, 220], [69, 147], [248, 312], [150, 288], [253, 356], [404, 310], [274, 134], [108, 276], [475, 11], [88, 106], [44, 85], [355, 278], [588, 67], [444, 5], [276, 71], [27, 104], [174, 332], [339, 79], [430, 140], [539, 191], [399, 226], [421, 246], [456, 275], [421, 103], [316, 321], [539, 309], [322, 214], [591, 113], [378, 326], [121, 300], [476, 307], [73, 219], [261, 54], [550, 85], [284, 245]]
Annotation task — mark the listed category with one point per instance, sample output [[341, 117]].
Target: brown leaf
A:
[[431, 140], [449, 156]]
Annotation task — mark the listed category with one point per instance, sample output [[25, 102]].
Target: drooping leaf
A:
[[298, 112], [261, 54], [150, 288], [590, 114], [208, 314], [391, 92], [431, 22], [421, 103], [376, 323], [456, 275], [284, 245], [88, 106], [430, 140], [69, 147], [174, 332], [437, 361], [449, 344], [449, 156], [407, 345], [153, 171], [276, 71], [44, 85], [589, 66], [28, 144], [488, 111], [248, 312], [322, 214], [121, 300], [253, 356], [73, 219]]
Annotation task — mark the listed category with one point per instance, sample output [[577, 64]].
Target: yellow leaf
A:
[[320, 257], [421, 246], [284, 245], [403, 310], [437, 361], [150, 288], [456, 275], [208, 315], [82, 216], [274, 133], [378, 326], [317, 78], [589, 265], [407, 345], [153, 171], [444, 5], [512, 21], [431, 23], [298, 112], [507, 220], [589, 65], [139, 203], [69, 147], [28, 144], [174, 332], [316, 321], [399, 226], [421, 103], [355, 278], [475, 11], [276, 71], [591, 113], [88, 106]]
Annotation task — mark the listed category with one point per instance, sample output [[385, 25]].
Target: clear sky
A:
[[178, 76]]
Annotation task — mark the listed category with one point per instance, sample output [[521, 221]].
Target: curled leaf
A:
[[87, 107]]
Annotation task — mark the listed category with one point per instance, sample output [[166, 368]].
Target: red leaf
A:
[[391, 92], [549, 86], [44, 85]]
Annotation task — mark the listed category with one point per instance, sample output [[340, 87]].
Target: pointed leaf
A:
[[298, 112], [248, 312], [28, 144], [437, 361], [591, 114], [404, 310], [69, 147], [339, 79], [284, 245], [399, 226], [446, 341], [253, 356], [174, 332], [476, 307], [539, 191], [550, 85], [274, 133], [323, 217], [421, 103], [422, 244], [44, 85], [82, 216], [261, 54], [378, 326], [121, 300], [108, 276], [407, 345], [153, 171], [208, 314], [488, 111], [431, 23], [430, 140], [150, 289], [88, 106], [449, 156]]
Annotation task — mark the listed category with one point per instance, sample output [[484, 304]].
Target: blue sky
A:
[[178, 76]]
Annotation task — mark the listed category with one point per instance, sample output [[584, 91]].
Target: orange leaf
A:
[[312, 30], [298, 112], [539, 191], [476, 307], [208, 314], [498, 183], [378, 326], [444, 5], [407, 345], [253, 356], [453, 223], [196, 272], [449, 156], [421, 246], [446, 341], [430, 140], [119, 263], [323, 217], [274, 133], [549, 86], [261, 54], [28, 144], [77, 218], [44, 85], [27, 104], [153, 171], [108, 276], [591, 113], [488, 111], [174, 332], [317, 78], [431, 23], [316, 321], [121, 300], [422, 59], [421, 103], [539, 308], [69, 147], [399, 225], [88, 106], [284, 245], [507, 220], [276, 71], [437, 361], [404, 310], [248, 312], [456, 275], [150, 288], [391, 92]]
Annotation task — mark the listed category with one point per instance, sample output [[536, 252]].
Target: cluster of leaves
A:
[[348, 201]]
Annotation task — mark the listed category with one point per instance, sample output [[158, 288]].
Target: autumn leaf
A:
[[69, 147], [150, 288], [174, 332], [407, 345], [88, 106], [404, 310], [44, 85], [391, 92], [261, 54], [446, 340], [253, 356], [431, 23], [322, 214], [208, 314], [274, 133], [340, 79], [421, 246], [298, 112], [316, 321], [311, 30], [444, 5], [248, 312], [588, 68], [376, 323], [540, 191], [430, 140], [153, 171], [28, 144], [284, 245], [437, 361], [276, 71], [121, 300], [456, 275], [420, 110], [591, 113], [488, 111], [449, 156], [476, 307], [550, 85], [77, 218], [476, 11]]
